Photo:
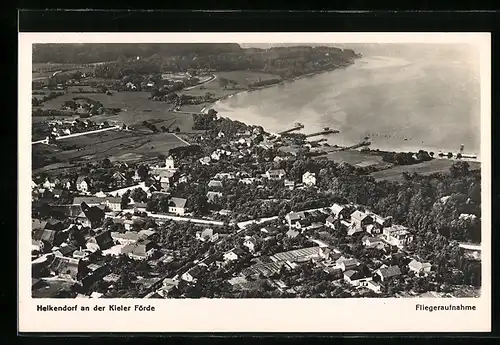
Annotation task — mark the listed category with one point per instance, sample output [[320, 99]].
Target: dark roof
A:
[[355, 275], [66, 250], [139, 248], [178, 202], [104, 240], [391, 271], [89, 200]]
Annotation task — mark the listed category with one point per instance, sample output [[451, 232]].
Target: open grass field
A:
[[136, 108], [426, 168], [115, 145], [243, 78]]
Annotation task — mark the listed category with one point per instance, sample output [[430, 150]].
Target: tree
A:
[[106, 163], [459, 169], [449, 155], [164, 204], [125, 201], [143, 172], [139, 194]]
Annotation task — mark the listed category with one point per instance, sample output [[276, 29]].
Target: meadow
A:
[[126, 146], [395, 173]]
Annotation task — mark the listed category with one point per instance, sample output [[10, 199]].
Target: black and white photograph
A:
[[248, 170]]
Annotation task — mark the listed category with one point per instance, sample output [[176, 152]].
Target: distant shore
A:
[[207, 106]]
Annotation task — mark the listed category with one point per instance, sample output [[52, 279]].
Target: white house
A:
[[169, 163], [419, 268], [348, 264], [233, 255], [277, 174], [372, 242], [373, 285], [82, 184], [113, 203], [207, 235], [177, 206], [356, 278], [397, 235], [191, 274], [309, 179]]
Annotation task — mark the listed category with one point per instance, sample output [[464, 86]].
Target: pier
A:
[[297, 126], [323, 132], [355, 146]]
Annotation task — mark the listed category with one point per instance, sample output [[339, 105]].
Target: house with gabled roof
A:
[[275, 174], [340, 211], [357, 277], [177, 206], [191, 275], [309, 179], [419, 268], [128, 237], [397, 235], [119, 179], [388, 273], [141, 250], [373, 242], [215, 184], [102, 240], [233, 254], [83, 184], [66, 250], [207, 235], [361, 219]]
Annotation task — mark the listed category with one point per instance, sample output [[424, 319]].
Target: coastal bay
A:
[[399, 99]]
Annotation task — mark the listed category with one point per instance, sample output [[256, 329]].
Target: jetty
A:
[[297, 126], [323, 132], [355, 146]]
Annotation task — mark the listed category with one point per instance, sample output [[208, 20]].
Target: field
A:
[[243, 78], [136, 108], [426, 168], [115, 145]]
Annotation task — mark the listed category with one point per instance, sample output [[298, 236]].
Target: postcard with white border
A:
[[254, 182]]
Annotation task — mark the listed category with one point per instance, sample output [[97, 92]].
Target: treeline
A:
[[406, 158], [285, 62], [99, 52]]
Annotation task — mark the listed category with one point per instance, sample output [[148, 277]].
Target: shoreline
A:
[[208, 105]]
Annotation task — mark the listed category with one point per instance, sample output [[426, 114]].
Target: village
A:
[[139, 232]]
